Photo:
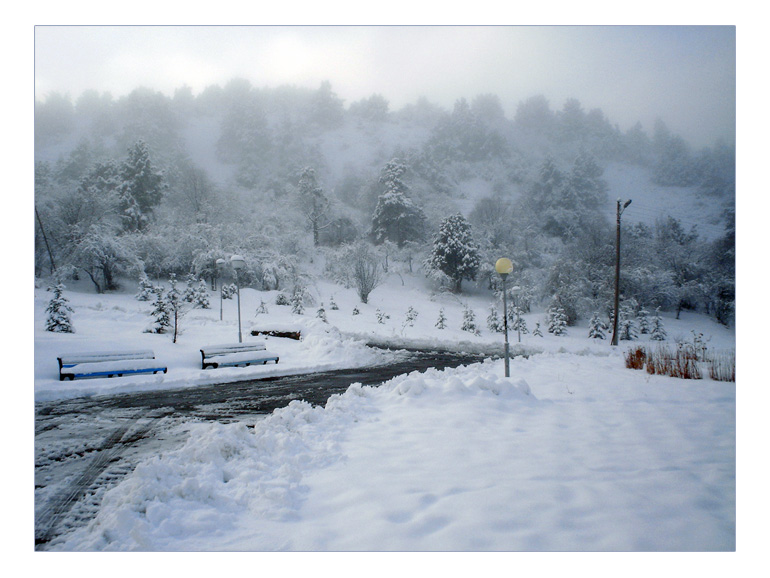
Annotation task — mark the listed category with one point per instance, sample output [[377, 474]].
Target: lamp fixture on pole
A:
[[504, 268]]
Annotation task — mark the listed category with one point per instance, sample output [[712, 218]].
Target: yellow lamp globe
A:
[[504, 266]]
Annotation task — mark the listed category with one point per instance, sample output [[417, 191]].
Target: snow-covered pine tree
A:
[[58, 310], [356, 311], [454, 251], [493, 321], [321, 313], [297, 305], [643, 319], [518, 323], [597, 327], [332, 304], [145, 288], [396, 218], [658, 332], [626, 329], [200, 297], [469, 321], [191, 282], [441, 321], [229, 290], [161, 318], [557, 321]]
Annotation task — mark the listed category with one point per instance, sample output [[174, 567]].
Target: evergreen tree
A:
[[493, 321], [201, 295], [469, 321], [518, 324], [321, 313], [454, 251], [441, 321], [58, 311], [145, 288], [537, 332], [297, 306], [190, 289], [597, 327], [313, 203], [658, 332], [643, 319], [356, 311], [332, 305], [161, 318], [396, 218], [141, 188], [557, 321]]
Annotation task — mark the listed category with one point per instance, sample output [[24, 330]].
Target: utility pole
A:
[[617, 273], [45, 238]]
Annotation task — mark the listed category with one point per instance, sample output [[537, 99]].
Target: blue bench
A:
[[236, 354], [108, 364]]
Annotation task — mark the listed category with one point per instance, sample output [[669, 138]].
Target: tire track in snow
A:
[[111, 449]]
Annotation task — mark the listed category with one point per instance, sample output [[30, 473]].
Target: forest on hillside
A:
[[301, 184]]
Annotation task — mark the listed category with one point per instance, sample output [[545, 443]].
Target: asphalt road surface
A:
[[85, 446]]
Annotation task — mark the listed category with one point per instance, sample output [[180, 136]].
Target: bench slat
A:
[[68, 360], [211, 350]]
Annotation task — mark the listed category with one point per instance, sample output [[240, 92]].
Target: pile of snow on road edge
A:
[[228, 470]]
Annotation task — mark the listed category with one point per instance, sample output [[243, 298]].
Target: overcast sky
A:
[[683, 75]]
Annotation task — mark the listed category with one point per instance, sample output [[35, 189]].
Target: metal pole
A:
[[505, 325], [617, 274], [238, 284], [220, 301]]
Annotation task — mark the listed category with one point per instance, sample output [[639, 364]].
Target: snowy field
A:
[[573, 453]]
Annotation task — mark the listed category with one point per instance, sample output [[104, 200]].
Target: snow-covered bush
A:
[[411, 317], [282, 299]]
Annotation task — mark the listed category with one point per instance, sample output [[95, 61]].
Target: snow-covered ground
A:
[[574, 452]]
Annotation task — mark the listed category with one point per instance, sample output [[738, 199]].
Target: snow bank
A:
[[572, 453]]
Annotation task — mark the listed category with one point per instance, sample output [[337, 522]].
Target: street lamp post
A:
[[220, 266], [617, 272], [238, 263], [515, 289], [504, 268]]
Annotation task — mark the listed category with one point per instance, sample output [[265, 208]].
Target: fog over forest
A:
[[297, 181]]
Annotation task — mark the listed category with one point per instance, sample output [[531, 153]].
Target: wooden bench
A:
[[107, 363], [235, 354]]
